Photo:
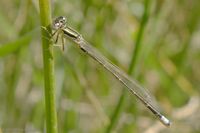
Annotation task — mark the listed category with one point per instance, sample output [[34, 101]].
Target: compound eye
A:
[[57, 24], [63, 20]]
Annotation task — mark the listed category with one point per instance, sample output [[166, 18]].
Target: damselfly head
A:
[[59, 22]]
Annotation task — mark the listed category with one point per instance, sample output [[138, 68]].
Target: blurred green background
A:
[[168, 64]]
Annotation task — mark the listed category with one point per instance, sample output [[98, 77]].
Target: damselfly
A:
[[62, 29]]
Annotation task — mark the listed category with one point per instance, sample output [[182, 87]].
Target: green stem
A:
[[48, 60], [135, 54], [132, 68]]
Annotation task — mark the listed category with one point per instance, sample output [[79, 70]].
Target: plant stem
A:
[[48, 60], [135, 54], [132, 68]]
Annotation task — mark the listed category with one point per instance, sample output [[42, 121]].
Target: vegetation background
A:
[[161, 36]]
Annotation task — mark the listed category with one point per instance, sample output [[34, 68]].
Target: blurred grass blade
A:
[[8, 48], [132, 67], [7, 29]]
